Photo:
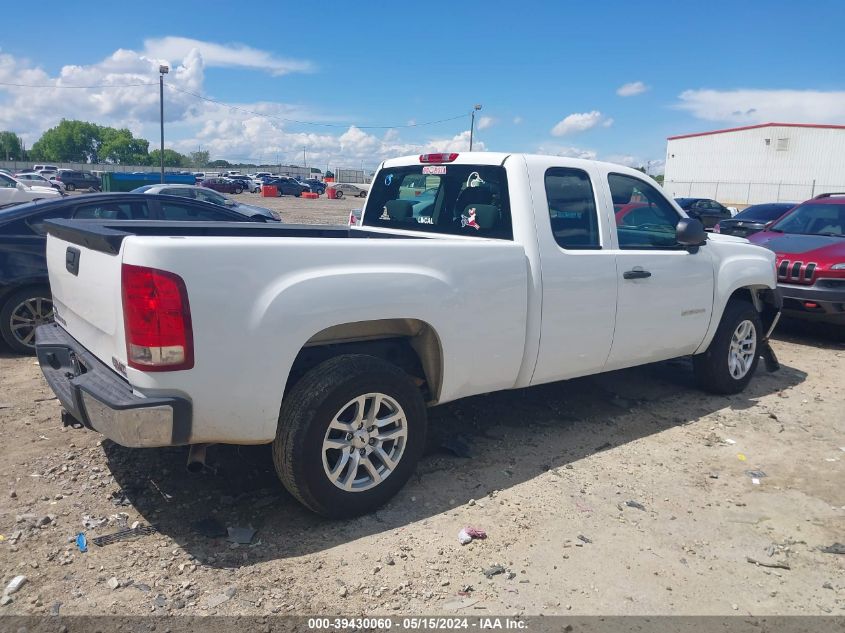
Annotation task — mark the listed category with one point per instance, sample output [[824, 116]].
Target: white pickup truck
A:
[[469, 273]]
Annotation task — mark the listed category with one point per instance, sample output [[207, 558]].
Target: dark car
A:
[[73, 180], [223, 185], [246, 181], [707, 211], [317, 186], [25, 299], [287, 186], [752, 219], [809, 247]]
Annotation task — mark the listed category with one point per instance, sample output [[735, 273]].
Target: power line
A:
[[89, 87]]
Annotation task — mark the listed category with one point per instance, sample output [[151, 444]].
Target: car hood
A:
[[46, 190], [815, 246]]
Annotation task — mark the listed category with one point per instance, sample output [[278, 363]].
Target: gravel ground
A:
[[626, 493], [304, 210]]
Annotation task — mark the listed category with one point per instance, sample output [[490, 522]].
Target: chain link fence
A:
[[747, 193]]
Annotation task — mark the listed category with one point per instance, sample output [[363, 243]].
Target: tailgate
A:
[[86, 297]]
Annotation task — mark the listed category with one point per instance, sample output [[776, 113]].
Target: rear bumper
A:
[[829, 303], [101, 400]]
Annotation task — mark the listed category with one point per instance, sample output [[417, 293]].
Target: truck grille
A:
[[796, 272]]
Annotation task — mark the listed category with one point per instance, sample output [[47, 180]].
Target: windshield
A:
[[763, 212], [143, 189], [453, 199], [814, 219]]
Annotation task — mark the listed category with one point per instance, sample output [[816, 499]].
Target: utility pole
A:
[[477, 106], [304, 163], [162, 70]]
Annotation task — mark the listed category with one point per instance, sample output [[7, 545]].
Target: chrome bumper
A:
[[97, 397]]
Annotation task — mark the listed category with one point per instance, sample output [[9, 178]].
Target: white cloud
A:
[[517, 120], [223, 55], [553, 149], [486, 122], [763, 106], [631, 89], [580, 122], [458, 143]]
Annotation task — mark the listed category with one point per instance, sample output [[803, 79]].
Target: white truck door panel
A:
[[665, 295], [666, 314], [579, 274]]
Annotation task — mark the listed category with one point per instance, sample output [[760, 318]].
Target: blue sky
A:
[[548, 74]]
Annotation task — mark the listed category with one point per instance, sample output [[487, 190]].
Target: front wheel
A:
[[731, 359], [238, 190], [363, 194], [338, 194], [350, 434]]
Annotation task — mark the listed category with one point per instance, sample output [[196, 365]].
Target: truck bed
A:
[[106, 236]]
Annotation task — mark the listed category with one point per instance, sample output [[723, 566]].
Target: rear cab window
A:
[[448, 199]]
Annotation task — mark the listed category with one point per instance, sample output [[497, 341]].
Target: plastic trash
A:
[[467, 534], [635, 504], [16, 583], [123, 535], [740, 457], [756, 474], [241, 535], [836, 548], [82, 542]]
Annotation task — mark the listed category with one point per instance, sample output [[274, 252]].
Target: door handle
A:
[[636, 274]]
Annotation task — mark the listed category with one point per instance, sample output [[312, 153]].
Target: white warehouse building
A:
[[770, 162]]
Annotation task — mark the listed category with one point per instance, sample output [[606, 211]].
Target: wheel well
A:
[[410, 344], [764, 300]]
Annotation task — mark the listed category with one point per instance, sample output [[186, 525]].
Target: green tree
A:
[[10, 146], [200, 158], [172, 158], [119, 146], [73, 141], [220, 163]]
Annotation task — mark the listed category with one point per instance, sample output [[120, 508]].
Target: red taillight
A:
[[157, 320], [438, 158]]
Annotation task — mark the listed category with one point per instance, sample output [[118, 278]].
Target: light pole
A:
[[162, 70], [477, 106]]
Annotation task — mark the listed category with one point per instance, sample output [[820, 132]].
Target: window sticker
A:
[[434, 169], [469, 221], [425, 219], [388, 179]]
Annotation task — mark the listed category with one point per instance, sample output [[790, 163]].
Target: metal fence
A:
[[19, 165], [745, 193]]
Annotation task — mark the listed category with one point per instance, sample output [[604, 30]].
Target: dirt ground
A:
[[627, 493]]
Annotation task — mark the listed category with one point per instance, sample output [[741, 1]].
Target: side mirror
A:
[[690, 233], [768, 225]]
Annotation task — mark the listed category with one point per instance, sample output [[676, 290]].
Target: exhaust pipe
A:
[[196, 457]]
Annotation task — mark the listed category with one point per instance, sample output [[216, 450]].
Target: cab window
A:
[[112, 211], [645, 220], [572, 208]]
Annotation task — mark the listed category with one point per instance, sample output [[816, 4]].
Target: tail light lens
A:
[[438, 158], [157, 320]]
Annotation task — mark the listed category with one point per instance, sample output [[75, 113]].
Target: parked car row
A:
[[25, 298]]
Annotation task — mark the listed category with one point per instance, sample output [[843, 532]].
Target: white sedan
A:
[[344, 189], [31, 179], [13, 191]]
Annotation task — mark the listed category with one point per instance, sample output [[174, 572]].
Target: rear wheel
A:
[[70, 187], [338, 194], [238, 190], [22, 312], [731, 359], [363, 194], [350, 434]]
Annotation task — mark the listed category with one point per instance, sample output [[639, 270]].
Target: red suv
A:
[[223, 185], [809, 243]]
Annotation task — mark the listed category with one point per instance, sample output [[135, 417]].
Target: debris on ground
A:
[[467, 534], [113, 583], [92, 523], [773, 565], [241, 535], [836, 548], [123, 535], [209, 527], [493, 570], [635, 504], [14, 585], [457, 445], [755, 474], [583, 538], [81, 542]]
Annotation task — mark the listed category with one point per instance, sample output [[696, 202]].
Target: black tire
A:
[[15, 339], [297, 194], [712, 369], [278, 193], [70, 187], [308, 409], [338, 194], [238, 190], [363, 194]]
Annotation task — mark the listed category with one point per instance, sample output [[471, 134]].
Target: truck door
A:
[[665, 296], [579, 275]]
